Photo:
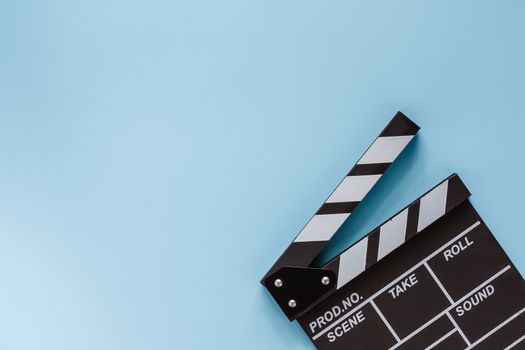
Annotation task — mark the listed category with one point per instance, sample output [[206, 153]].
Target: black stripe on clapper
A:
[[372, 248], [457, 191], [369, 169], [337, 208], [412, 220], [400, 125]]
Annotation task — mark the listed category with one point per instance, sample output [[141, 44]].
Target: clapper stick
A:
[[294, 283], [348, 194]]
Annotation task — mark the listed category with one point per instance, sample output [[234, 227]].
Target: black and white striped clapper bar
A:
[[431, 277]]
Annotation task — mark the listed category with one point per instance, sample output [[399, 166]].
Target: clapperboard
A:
[[431, 277]]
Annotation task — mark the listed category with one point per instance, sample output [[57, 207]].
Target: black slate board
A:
[[451, 287]]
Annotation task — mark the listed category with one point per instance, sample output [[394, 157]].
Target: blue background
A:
[[156, 157]]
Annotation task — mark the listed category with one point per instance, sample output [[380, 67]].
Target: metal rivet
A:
[[292, 303], [325, 280], [278, 283]]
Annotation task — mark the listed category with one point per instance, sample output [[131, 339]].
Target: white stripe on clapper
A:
[[385, 149], [392, 234], [352, 262], [353, 188], [321, 227], [432, 206]]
